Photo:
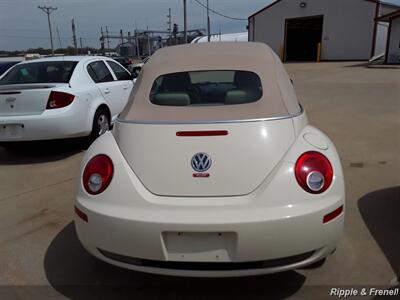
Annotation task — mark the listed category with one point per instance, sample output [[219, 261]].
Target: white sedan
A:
[[62, 97], [211, 170]]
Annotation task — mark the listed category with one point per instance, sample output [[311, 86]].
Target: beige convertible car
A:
[[211, 170]]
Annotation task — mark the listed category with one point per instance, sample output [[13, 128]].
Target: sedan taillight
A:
[[59, 100], [314, 172], [98, 174]]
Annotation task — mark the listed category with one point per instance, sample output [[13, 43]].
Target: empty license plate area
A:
[[200, 246], [11, 130]]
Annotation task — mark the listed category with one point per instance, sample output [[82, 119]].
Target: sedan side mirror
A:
[[136, 71], [134, 76]]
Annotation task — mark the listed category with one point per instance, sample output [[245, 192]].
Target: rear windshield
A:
[[202, 88], [40, 72]]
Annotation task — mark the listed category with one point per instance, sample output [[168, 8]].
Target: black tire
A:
[[101, 123], [10, 145]]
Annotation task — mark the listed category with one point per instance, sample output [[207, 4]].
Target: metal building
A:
[[392, 54], [309, 30]]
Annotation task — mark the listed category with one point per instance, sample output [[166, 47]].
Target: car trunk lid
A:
[[204, 160]]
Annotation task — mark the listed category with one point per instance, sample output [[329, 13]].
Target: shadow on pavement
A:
[[40, 152], [358, 64], [77, 275], [380, 211]]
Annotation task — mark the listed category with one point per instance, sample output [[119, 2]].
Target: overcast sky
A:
[[23, 25]]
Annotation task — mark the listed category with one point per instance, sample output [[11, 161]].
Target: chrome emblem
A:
[[10, 99], [201, 162]]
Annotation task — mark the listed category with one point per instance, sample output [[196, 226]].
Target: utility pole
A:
[[103, 51], [208, 22], [175, 32], [148, 43], [80, 42], [169, 27], [74, 36], [59, 38], [48, 10], [137, 43], [130, 46], [185, 40], [108, 41]]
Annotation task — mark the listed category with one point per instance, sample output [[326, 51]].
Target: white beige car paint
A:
[[257, 208]]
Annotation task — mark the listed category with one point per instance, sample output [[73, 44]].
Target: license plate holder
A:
[[11, 130], [200, 246]]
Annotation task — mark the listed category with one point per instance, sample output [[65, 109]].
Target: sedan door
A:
[[124, 79], [110, 88]]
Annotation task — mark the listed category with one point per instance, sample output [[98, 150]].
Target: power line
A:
[[218, 13]]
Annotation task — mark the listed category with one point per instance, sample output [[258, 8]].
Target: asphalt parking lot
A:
[[359, 109]]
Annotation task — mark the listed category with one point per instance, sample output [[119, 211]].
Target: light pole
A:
[[185, 40], [48, 10], [208, 23]]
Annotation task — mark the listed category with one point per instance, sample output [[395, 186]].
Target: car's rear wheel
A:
[[101, 123]]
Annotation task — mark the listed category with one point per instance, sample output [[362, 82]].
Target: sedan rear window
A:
[[205, 88], [40, 72]]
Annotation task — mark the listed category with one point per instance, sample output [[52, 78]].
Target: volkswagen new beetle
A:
[[211, 170]]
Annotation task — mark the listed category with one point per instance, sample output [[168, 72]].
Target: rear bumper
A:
[[68, 122], [257, 247], [270, 230]]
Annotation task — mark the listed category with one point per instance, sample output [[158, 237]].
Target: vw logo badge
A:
[[201, 162]]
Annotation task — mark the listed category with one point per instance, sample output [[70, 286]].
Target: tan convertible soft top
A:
[[278, 100]]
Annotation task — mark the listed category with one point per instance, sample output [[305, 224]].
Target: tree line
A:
[[44, 51]]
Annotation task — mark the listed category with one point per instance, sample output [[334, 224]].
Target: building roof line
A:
[[389, 16], [265, 8], [277, 1]]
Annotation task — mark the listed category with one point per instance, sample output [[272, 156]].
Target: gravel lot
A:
[[359, 108]]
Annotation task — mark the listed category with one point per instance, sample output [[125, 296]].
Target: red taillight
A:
[[314, 172], [98, 174], [59, 100], [333, 215]]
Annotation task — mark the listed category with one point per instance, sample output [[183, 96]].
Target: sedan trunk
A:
[[24, 99]]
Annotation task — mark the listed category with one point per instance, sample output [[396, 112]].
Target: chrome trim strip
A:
[[211, 122]]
